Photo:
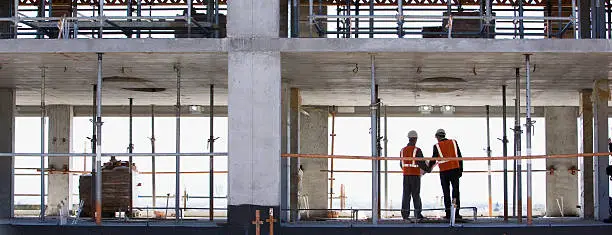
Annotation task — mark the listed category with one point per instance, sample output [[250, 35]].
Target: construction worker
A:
[[450, 171], [412, 177]]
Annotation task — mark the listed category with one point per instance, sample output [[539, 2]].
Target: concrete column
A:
[[7, 145], [601, 96], [313, 140], [586, 163], [285, 107], [60, 141], [561, 138], [254, 115], [294, 147]]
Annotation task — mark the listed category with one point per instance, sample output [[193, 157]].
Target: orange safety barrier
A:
[[295, 155]]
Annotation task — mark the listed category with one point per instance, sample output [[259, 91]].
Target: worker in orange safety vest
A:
[[412, 177], [450, 171]]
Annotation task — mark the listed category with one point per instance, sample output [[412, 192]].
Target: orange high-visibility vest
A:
[[409, 167], [447, 149]]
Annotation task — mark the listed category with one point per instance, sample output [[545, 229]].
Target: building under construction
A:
[[282, 74]]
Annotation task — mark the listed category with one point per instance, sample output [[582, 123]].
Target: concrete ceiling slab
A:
[[326, 78]]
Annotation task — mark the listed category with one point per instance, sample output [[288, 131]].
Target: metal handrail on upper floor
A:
[[348, 23]]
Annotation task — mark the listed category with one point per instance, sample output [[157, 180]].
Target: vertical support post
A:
[[100, 20], [310, 17], [16, 19], [400, 18], [42, 143], [371, 28], [217, 18], [177, 173], [517, 147], [139, 14], [94, 130], [153, 170], [386, 165], [528, 138], [99, 142], [374, 140], [331, 160], [521, 25], [586, 117], [505, 152], [189, 7], [489, 161], [576, 32], [211, 142], [131, 148], [601, 96]]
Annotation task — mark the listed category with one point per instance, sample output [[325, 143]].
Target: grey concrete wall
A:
[[586, 145], [7, 145], [313, 140], [601, 95], [561, 138], [60, 141]]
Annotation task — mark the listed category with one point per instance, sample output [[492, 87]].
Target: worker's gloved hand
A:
[[460, 172]]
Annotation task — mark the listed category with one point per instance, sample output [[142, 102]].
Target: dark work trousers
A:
[[412, 188], [448, 178]]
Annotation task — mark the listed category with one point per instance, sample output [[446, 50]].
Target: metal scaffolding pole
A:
[[528, 138], [400, 21], [521, 25], [374, 142], [331, 160], [131, 147], [177, 193], [517, 146], [153, 171], [100, 21], [505, 152], [93, 144], [371, 28], [99, 142], [42, 142], [16, 15], [386, 166], [489, 162], [211, 142]]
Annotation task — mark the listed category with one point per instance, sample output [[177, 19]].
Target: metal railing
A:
[[76, 21], [45, 173], [348, 23]]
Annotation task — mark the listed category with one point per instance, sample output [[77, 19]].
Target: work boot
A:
[[420, 216]]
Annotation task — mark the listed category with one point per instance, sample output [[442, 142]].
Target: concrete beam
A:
[[561, 138], [601, 96], [254, 42], [60, 141], [313, 140], [586, 163], [7, 145], [183, 45]]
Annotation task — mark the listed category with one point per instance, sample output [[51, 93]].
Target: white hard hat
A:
[[441, 132], [412, 134]]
